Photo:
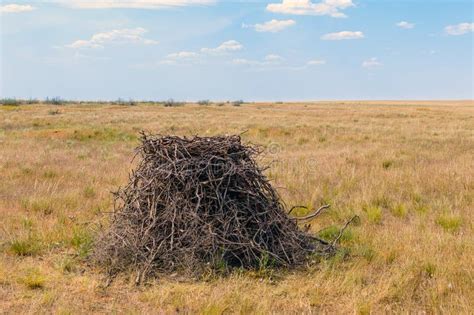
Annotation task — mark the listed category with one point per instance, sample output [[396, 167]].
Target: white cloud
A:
[[131, 4], [183, 55], [242, 61], [181, 58], [316, 62], [228, 46], [273, 58], [343, 35], [268, 60], [272, 26], [459, 29], [405, 25], [372, 63], [16, 8], [191, 57], [123, 36], [307, 7]]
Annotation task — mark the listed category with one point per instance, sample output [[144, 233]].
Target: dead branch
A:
[[315, 214], [333, 244]]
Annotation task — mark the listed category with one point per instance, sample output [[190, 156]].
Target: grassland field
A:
[[406, 168]]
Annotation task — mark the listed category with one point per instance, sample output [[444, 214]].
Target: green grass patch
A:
[[374, 214], [330, 233], [429, 269], [29, 246], [33, 279], [103, 134], [43, 205], [399, 210], [365, 251], [89, 192], [449, 223], [49, 174], [82, 241], [67, 264]]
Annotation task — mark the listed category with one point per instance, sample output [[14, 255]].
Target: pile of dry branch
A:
[[200, 202]]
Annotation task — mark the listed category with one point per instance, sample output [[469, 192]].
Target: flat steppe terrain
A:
[[406, 168]]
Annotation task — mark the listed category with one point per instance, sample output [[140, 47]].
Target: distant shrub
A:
[[32, 101], [237, 103], [172, 103], [10, 101], [220, 104], [123, 102], [54, 101], [204, 102]]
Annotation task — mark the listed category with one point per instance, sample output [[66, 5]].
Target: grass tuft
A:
[[449, 223], [330, 233], [49, 174], [82, 241], [399, 210], [33, 279], [387, 164], [374, 214], [43, 206], [429, 269], [89, 192], [29, 246]]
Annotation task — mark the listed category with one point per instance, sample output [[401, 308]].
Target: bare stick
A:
[[315, 214], [343, 229], [296, 207]]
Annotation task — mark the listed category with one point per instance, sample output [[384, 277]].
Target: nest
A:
[[195, 203]]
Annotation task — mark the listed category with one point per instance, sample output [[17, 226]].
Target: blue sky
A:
[[224, 50]]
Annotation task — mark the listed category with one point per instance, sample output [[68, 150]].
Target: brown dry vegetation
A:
[[406, 168]]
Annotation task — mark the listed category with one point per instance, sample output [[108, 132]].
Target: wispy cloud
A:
[[459, 29], [268, 60], [131, 4], [181, 58], [343, 35], [194, 57], [275, 62], [225, 47], [316, 62], [405, 25], [307, 7], [372, 63], [123, 36], [183, 55], [16, 8], [272, 26]]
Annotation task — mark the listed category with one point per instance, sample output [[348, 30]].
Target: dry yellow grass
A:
[[405, 167]]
